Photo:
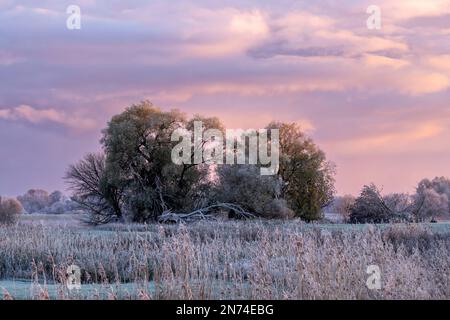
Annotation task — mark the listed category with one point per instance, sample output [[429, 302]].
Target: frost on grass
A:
[[228, 260]]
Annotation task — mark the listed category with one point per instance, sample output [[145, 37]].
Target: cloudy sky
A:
[[377, 101]]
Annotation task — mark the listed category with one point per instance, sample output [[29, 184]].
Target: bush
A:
[[10, 209]]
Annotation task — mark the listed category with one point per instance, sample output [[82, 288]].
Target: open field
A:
[[77, 221], [54, 220], [216, 260]]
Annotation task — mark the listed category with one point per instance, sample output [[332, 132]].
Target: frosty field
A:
[[224, 260]]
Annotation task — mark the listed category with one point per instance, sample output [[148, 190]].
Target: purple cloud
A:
[[315, 63]]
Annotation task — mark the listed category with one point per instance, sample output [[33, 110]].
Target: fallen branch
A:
[[206, 213]]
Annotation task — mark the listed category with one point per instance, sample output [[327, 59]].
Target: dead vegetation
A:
[[234, 260]]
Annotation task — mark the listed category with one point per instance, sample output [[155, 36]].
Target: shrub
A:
[[10, 209]]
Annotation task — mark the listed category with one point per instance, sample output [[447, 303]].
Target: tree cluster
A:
[[430, 201], [40, 201], [135, 178]]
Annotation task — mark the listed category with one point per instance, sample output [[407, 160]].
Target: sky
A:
[[377, 101]]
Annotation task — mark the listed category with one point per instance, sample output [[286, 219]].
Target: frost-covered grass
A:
[[27, 290], [231, 260]]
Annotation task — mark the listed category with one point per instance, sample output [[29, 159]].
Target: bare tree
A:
[[429, 204], [93, 192]]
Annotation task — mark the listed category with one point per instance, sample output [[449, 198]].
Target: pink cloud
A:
[[28, 114]]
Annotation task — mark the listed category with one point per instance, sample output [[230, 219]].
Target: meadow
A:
[[258, 259]]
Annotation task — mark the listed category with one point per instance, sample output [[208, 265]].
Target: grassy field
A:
[[223, 260]]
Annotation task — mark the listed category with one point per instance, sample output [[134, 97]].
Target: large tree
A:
[[138, 146], [308, 178]]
